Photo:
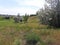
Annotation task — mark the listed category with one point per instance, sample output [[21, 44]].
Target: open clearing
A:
[[10, 31]]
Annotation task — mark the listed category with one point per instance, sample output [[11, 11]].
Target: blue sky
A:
[[20, 6]]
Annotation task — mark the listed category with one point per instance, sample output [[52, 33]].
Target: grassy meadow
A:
[[12, 33]]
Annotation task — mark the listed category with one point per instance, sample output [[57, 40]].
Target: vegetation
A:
[[50, 14], [26, 18], [37, 29], [32, 39], [14, 33], [17, 42]]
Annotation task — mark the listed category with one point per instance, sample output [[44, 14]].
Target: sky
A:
[[13, 7]]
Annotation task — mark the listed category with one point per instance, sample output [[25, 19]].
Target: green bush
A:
[[26, 18], [17, 42], [32, 39]]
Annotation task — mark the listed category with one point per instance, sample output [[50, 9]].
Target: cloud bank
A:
[[20, 6]]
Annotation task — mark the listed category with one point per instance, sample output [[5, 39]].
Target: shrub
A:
[[16, 20], [7, 17], [17, 42], [32, 39], [26, 18]]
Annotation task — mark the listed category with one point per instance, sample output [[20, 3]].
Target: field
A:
[[10, 32]]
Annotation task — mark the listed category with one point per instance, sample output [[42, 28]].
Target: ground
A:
[[10, 32]]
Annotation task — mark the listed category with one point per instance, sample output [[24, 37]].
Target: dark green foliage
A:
[[4, 17], [33, 15], [32, 39], [7, 17], [26, 18]]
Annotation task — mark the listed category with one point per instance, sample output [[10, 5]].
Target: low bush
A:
[[32, 39], [26, 18], [17, 42]]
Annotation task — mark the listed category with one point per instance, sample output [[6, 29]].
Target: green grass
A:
[[10, 31]]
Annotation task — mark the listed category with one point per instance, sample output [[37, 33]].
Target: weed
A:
[[17, 42], [32, 39]]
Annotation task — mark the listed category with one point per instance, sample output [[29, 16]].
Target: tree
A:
[[51, 14], [26, 18], [52, 3]]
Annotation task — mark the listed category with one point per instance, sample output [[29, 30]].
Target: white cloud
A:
[[14, 11], [37, 4]]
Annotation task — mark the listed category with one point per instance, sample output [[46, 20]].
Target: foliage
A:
[[7, 17], [32, 38], [50, 15], [11, 32], [26, 18], [16, 19], [17, 42]]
